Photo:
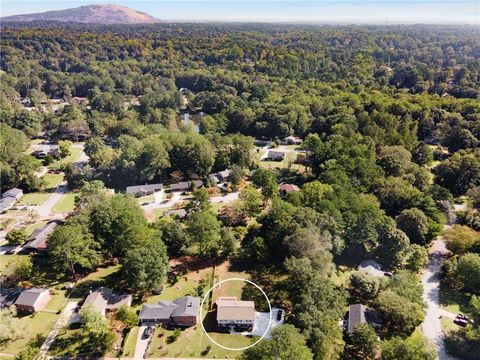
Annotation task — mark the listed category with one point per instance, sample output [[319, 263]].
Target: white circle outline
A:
[[269, 320]]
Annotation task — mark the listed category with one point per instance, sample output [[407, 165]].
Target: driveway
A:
[[164, 204], [431, 276], [44, 210], [141, 345], [61, 322], [260, 325], [230, 197]]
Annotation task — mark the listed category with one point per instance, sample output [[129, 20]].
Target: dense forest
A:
[[390, 118]]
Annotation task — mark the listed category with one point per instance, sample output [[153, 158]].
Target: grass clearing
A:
[[193, 342], [146, 199], [33, 199], [130, 342], [454, 301], [52, 180], [31, 228], [74, 155], [447, 324], [38, 324], [66, 203], [6, 261]]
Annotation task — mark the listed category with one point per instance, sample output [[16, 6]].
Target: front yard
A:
[[31, 326], [66, 203], [193, 342]]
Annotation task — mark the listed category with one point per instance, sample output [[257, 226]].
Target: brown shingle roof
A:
[[229, 308]]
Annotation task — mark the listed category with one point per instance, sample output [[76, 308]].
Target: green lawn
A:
[[447, 324], [290, 158], [454, 301], [57, 301], [52, 180], [74, 155], [130, 342], [31, 326], [33, 199], [6, 261], [66, 203], [193, 342], [29, 229], [146, 199]]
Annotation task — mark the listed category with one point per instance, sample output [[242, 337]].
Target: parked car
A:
[[460, 322], [148, 332], [388, 273], [279, 315]]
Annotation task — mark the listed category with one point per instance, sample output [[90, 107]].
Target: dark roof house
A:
[[182, 311], [31, 300], [38, 240], [14, 193], [143, 190], [274, 155], [185, 185]]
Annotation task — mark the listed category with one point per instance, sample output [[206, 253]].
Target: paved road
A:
[[432, 326], [61, 322], [141, 345]]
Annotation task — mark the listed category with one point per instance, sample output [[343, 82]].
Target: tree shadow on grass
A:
[[449, 296]]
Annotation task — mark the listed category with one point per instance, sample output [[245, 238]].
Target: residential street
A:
[[432, 326]]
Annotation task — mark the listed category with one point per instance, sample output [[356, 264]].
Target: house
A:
[[8, 296], [181, 213], [356, 315], [185, 185], [235, 313], [180, 312], [371, 267], [292, 140], [144, 190], [104, 299], [288, 188], [32, 300], [9, 198], [359, 314], [6, 203], [38, 240], [221, 176], [14, 193], [275, 155]]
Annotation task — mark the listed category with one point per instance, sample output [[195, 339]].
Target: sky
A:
[[304, 11]]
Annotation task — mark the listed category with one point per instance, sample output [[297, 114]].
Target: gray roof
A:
[[8, 296], [181, 213], [185, 185], [371, 267], [356, 315], [39, 237], [274, 154], [105, 299], [30, 296], [164, 310], [224, 174], [12, 193], [7, 202], [143, 188], [186, 306]]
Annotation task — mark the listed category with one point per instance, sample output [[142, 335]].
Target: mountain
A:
[[99, 14]]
